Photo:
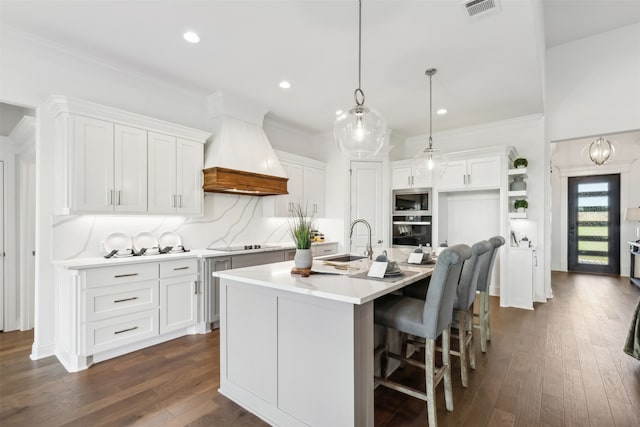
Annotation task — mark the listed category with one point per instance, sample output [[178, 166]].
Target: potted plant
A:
[[520, 163], [521, 205], [300, 227]]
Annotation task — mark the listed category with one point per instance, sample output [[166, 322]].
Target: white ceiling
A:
[[489, 68]]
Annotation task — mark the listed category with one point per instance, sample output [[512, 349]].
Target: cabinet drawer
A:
[[110, 301], [178, 267], [321, 250], [121, 274], [111, 333], [248, 260]]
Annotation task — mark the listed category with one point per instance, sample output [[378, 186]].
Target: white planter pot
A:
[[520, 210], [303, 258]]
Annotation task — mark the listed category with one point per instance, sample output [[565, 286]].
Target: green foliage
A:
[[521, 204], [300, 226], [520, 162]]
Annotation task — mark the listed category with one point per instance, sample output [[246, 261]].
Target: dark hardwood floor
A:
[[559, 365]]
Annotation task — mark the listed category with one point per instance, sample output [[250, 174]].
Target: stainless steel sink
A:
[[344, 258]]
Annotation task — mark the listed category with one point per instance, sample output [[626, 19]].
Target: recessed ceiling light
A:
[[284, 84], [191, 37], [442, 111], [338, 112]]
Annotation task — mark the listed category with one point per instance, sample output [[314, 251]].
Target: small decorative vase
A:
[[303, 258], [520, 210], [518, 184]]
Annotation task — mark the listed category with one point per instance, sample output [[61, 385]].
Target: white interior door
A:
[[1, 246], [366, 203]]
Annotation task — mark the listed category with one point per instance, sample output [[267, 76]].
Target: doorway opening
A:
[[594, 224]]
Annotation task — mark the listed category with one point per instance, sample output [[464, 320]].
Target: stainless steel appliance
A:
[[411, 230], [412, 201]]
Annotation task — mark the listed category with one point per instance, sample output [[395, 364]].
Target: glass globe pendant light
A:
[[600, 150], [423, 162], [360, 131]]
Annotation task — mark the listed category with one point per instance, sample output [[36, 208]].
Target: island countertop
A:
[[337, 287]]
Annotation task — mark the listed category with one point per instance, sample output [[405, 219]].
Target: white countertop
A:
[[344, 288], [82, 263]]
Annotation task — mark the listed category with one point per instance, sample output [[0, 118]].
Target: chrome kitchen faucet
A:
[[369, 250]]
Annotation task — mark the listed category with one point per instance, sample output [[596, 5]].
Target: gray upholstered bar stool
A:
[[427, 319], [463, 307], [484, 279]]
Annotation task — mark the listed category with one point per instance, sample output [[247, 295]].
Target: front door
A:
[[594, 224]]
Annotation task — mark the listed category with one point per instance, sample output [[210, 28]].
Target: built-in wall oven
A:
[[411, 217]]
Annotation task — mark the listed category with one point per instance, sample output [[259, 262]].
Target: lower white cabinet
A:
[[178, 295], [105, 312], [521, 277]]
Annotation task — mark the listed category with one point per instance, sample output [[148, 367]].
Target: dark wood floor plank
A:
[[561, 364]]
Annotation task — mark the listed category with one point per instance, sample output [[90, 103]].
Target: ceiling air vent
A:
[[481, 7]]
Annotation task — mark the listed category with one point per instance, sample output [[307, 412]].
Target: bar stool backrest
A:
[[480, 254], [438, 307], [484, 275]]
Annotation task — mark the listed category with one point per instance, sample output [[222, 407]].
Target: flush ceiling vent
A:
[[476, 8]]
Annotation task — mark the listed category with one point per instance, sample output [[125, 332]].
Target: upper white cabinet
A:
[[109, 161], [470, 174], [306, 186], [405, 175], [109, 167], [175, 175]]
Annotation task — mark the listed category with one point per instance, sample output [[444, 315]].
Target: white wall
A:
[[593, 85], [570, 158]]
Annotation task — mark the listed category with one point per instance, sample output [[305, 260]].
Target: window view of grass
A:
[[593, 227]]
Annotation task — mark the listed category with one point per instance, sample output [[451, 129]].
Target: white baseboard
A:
[[41, 351]]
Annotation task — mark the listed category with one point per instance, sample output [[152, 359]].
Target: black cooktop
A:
[[241, 248]]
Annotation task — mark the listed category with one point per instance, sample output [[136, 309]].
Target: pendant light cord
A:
[[359, 92], [359, 43], [430, 110]]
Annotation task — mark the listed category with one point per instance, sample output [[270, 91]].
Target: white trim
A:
[[294, 158], [10, 299], [40, 352], [59, 104]]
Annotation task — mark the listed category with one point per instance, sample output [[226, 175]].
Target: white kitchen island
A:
[[297, 350]]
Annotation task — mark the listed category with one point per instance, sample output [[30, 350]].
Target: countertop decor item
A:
[[520, 163], [423, 161], [300, 227], [360, 131]]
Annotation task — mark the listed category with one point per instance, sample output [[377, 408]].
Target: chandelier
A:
[[600, 150]]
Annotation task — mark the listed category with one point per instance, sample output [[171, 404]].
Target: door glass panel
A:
[[593, 227]]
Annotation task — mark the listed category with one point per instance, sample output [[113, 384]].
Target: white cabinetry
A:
[[405, 175], [470, 174], [108, 168], [108, 160], [105, 312], [521, 278], [178, 294], [175, 175], [306, 186]]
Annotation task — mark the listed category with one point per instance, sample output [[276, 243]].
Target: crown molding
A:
[[62, 105]]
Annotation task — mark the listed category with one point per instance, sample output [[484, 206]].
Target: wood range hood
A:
[[231, 181], [239, 158]]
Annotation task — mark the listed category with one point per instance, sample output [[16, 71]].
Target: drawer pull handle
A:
[[125, 330], [125, 275], [181, 268], [125, 299]]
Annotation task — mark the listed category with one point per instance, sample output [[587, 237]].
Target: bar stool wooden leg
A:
[[446, 361], [429, 370], [472, 344], [462, 348]]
